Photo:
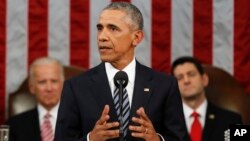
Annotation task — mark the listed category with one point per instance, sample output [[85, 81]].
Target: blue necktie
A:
[[125, 110]]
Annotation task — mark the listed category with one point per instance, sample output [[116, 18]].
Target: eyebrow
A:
[[99, 25], [112, 25]]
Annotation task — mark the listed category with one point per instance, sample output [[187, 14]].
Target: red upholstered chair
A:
[[21, 100], [226, 92]]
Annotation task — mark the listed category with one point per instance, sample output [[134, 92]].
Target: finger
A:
[[103, 130], [140, 129], [138, 135], [141, 122], [144, 119], [141, 113], [140, 132], [104, 117], [109, 125], [105, 110], [111, 133]]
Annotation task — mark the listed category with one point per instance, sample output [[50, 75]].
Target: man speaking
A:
[[94, 108]]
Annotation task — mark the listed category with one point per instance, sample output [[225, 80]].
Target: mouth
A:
[[104, 48]]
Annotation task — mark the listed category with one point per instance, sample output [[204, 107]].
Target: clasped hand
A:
[[103, 129]]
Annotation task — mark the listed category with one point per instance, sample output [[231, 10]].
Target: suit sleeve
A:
[[68, 126], [174, 123]]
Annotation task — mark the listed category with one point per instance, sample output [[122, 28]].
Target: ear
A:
[[31, 87], [137, 38], [205, 79]]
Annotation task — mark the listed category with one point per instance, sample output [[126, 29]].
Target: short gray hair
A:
[[44, 61], [131, 10]]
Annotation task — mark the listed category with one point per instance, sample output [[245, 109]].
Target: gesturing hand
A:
[[101, 131], [145, 129]]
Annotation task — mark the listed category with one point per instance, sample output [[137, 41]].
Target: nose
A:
[[48, 86], [186, 79], [102, 35]]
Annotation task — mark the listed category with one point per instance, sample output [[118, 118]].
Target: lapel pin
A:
[[146, 90], [211, 116]]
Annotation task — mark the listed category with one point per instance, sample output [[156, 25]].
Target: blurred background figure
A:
[[46, 79], [204, 121]]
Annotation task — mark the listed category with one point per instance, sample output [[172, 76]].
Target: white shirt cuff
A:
[[88, 137], [160, 136]]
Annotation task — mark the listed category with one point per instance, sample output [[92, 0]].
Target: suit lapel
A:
[[209, 123], [34, 126], [142, 92], [142, 89], [102, 92]]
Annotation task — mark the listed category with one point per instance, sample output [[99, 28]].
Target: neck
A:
[[194, 103], [121, 64]]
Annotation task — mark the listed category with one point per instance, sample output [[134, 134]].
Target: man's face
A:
[[116, 38], [191, 82], [47, 84]]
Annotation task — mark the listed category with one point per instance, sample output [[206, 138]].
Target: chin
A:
[[191, 96], [105, 59]]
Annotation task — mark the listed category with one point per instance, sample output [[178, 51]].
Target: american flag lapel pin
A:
[[211, 116], [146, 89]]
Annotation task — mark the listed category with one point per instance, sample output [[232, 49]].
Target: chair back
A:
[[224, 91]]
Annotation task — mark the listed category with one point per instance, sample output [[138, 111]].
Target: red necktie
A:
[[196, 130], [46, 129]]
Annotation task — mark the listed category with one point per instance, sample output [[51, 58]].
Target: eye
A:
[[179, 77], [99, 27], [55, 81], [192, 74], [113, 28], [41, 82]]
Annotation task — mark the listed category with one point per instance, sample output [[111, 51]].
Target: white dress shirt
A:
[[130, 70], [201, 110], [53, 112]]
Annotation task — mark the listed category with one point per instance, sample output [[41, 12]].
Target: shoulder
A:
[[155, 74], [156, 79], [224, 113], [88, 74], [23, 117]]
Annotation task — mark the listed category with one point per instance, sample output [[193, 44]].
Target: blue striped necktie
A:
[[125, 109]]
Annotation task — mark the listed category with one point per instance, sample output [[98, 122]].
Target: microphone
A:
[[121, 81], [121, 78]]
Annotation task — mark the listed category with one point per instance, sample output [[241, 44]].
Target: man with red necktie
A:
[[204, 121]]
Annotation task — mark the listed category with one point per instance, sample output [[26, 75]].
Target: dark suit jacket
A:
[[217, 121], [25, 126], [84, 97]]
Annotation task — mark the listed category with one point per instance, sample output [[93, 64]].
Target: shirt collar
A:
[[201, 110], [42, 111], [129, 69]]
